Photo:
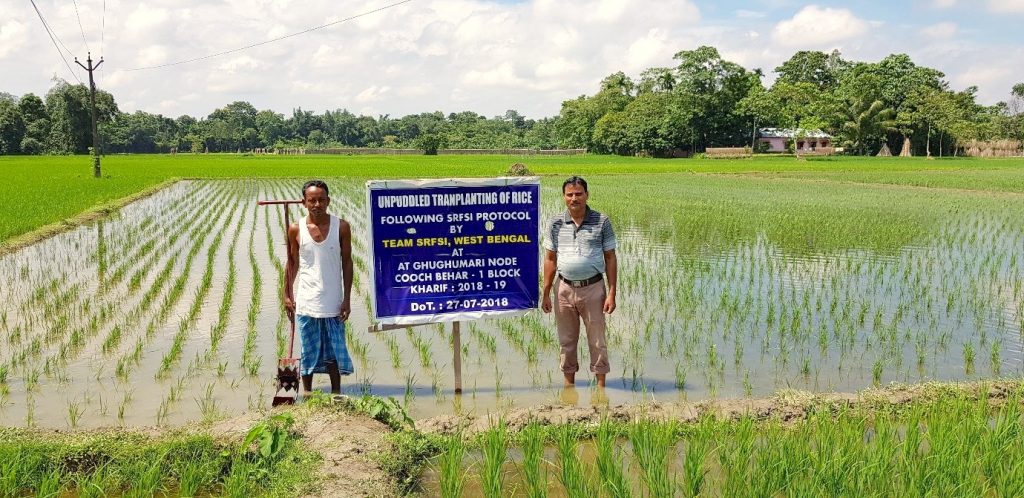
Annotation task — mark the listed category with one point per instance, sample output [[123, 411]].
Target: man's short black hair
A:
[[575, 180], [317, 184]]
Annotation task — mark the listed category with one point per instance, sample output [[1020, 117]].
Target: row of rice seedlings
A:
[[208, 404], [250, 363], [147, 246], [93, 312], [184, 326], [950, 445], [102, 313], [805, 364], [275, 255], [130, 318], [133, 357], [223, 312], [68, 279]]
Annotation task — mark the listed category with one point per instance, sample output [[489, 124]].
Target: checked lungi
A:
[[323, 342]]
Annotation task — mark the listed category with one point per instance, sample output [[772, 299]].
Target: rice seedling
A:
[[698, 445], [208, 405], [680, 372], [252, 368], [495, 453], [610, 463], [534, 476], [75, 411], [453, 475], [410, 387], [651, 444], [876, 372], [572, 474], [969, 358], [994, 357]]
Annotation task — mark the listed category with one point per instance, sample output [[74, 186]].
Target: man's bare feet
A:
[[570, 379]]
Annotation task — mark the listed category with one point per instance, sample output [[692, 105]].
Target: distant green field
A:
[[39, 191]]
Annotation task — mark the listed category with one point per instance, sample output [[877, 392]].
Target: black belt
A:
[[582, 283]]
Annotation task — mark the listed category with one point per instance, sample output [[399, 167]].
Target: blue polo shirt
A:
[[580, 249]]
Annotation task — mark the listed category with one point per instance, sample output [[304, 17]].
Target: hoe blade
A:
[[287, 382]]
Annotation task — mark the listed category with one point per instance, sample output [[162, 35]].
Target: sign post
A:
[[453, 250]]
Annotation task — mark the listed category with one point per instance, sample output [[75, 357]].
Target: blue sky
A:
[[480, 55], [974, 19]]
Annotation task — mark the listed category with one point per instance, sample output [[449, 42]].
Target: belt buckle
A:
[[577, 283]]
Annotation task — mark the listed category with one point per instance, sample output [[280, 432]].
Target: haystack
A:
[[992, 148], [885, 152], [906, 148]]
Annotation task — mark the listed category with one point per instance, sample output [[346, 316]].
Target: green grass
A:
[[40, 191], [132, 464]]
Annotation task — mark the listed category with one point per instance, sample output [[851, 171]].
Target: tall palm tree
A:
[[867, 122]]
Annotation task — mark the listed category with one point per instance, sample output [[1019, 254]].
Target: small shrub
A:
[[518, 169]]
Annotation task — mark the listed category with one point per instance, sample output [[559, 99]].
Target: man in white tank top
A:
[[317, 286]]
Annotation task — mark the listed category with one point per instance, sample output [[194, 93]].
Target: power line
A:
[[47, 26], [86, 42], [54, 38], [272, 40]]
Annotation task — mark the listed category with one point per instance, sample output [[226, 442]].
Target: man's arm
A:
[[291, 267], [550, 263], [611, 270], [346, 268]]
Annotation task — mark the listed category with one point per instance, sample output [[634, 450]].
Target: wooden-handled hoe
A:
[[287, 367]]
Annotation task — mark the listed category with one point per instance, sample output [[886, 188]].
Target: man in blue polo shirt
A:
[[580, 248]]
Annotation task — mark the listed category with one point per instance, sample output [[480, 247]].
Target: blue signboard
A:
[[449, 250]]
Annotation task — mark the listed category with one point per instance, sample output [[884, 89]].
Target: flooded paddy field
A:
[[730, 286]]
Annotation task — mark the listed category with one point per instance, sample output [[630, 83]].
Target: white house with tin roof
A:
[[806, 140]]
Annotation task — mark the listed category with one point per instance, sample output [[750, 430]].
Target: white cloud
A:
[[652, 49], [1006, 6], [819, 27], [982, 75], [942, 30], [944, 4], [372, 94], [452, 55], [13, 36]]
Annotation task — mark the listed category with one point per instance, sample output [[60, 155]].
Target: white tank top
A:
[[317, 286]]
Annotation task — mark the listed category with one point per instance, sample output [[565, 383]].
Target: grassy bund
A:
[[739, 278]]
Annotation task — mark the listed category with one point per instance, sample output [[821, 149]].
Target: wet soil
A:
[[786, 406]]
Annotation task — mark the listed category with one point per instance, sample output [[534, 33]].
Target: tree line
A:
[[705, 101], [701, 101]]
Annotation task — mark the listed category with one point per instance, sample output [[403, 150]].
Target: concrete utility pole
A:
[[92, 102]]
